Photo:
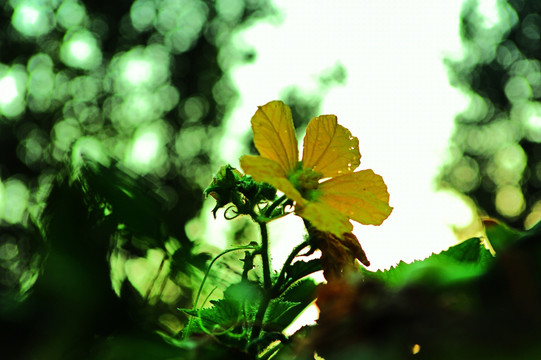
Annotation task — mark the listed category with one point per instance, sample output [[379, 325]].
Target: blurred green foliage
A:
[[495, 150], [108, 113]]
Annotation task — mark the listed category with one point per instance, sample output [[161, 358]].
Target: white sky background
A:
[[397, 100]]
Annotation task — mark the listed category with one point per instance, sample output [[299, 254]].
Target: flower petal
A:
[[266, 170], [362, 196], [330, 148], [325, 218], [274, 134]]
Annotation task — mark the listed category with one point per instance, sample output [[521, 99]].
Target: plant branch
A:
[[274, 205], [276, 290]]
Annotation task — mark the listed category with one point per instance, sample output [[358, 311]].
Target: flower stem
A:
[[265, 256], [274, 205]]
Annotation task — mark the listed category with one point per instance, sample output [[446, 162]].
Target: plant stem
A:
[[265, 256], [274, 205], [267, 282]]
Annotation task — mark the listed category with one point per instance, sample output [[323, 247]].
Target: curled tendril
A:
[[233, 209]]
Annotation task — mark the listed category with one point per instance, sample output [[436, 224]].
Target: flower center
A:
[[306, 181]]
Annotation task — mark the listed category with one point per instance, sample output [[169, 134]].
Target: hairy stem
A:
[[265, 256]]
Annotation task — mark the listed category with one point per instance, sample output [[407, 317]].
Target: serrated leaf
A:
[[300, 269], [240, 304], [465, 260], [224, 314], [469, 251], [302, 294], [277, 308]]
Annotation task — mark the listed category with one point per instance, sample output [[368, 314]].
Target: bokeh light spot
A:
[[507, 165], [32, 19], [80, 50], [16, 194], [8, 90], [140, 67], [142, 14], [12, 90], [510, 201], [530, 116], [518, 89], [489, 9], [465, 175], [138, 71], [70, 14], [181, 22], [29, 15], [145, 148], [8, 251], [534, 216], [230, 10]]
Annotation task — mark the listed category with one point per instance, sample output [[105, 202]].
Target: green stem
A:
[[265, 256], [274, 205], [275, 291], [264, 250]]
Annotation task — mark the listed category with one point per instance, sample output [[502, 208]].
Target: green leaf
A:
[[277, 308], [463, 261], [240, 304], [302, 294], [300, 269], [247, 295], [500, 235]]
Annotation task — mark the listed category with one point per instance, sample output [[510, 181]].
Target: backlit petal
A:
[[274, 134], [266, 170], [325, 218], [330, 148], [362, 196]]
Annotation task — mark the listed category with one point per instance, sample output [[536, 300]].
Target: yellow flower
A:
[[326, 190]]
